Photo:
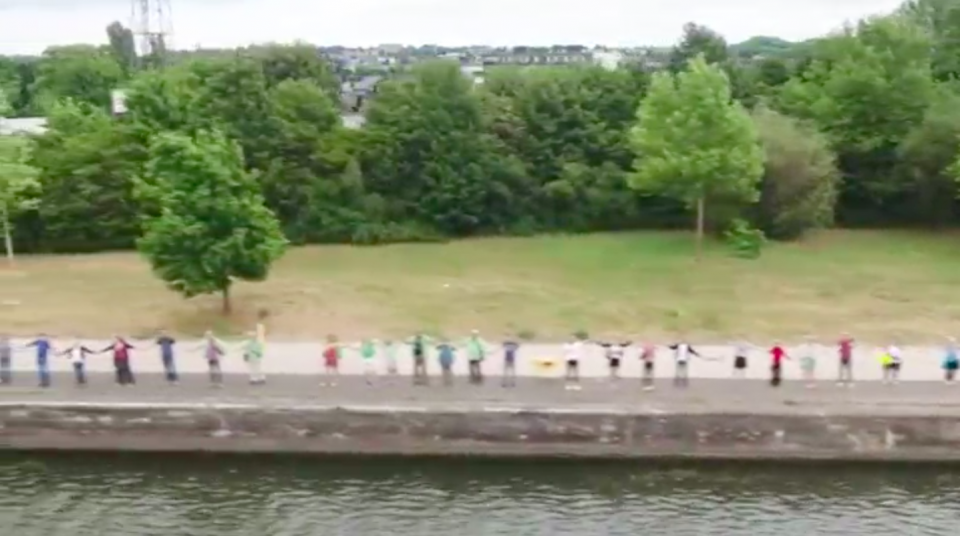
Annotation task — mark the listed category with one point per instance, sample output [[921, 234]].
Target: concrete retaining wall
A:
[[250, 428]]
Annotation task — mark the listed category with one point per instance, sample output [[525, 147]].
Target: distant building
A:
[[609, 60], [22, 126]]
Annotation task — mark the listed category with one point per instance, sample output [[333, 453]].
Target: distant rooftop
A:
[[22, 125]]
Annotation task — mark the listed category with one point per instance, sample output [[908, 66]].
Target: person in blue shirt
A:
[[166, 343], [446, 353], [951, 362], [510, 349], [43, 346]]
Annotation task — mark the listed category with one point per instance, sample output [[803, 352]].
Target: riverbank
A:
[[876, 285], [293, 414]]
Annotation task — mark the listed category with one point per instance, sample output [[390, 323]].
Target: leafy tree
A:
[[925, 157], [698, 40], [694, 143], [799, 188], [84, 73], [18, 185], [865, 89], [302, 183], [85, 165], [299, 61], [123, 47], [426, 150], [213, 227]]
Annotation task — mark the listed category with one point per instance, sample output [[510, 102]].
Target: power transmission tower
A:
[[152, 24]]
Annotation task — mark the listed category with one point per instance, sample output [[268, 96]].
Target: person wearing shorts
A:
[[573, 352], [368, 353], [418, 345], [614, 353], [951, 362], [681, 355], [892, 359], [331, 362], [845, 373], [647, 356]]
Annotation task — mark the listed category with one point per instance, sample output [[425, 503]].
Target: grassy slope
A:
[[872, 284]]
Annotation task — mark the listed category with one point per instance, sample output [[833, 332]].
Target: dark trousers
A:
[[476, 374], [776, 374], [6, 375], [216, 375], [169, 369], [420, 370], [124, 374], [43, 371], [80, 373]]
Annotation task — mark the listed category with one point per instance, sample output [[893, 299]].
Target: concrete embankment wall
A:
[[603, 434]]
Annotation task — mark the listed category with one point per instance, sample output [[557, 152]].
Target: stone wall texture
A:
[[399, 431]]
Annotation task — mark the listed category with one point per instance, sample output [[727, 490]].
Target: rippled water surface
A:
[[140, 496]]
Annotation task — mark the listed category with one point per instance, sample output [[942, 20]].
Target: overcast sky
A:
[[29, 26]]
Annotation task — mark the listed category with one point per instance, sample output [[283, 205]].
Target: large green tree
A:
[[85, 166], [799, 188], [866, 88], [694, 143], [84, 73], [18, 185], [427, 151], [212, 227]]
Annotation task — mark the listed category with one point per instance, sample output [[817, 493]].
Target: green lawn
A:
[[875, 285]]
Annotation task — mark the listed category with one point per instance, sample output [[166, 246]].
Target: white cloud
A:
[[28, 26]]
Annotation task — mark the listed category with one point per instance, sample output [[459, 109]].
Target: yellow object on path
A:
[[545, 363]]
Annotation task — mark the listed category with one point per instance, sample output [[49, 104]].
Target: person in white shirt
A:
[[681, 355], [573, 353], [78, 357], [891, 364]]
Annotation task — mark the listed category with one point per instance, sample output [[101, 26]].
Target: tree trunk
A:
[[7, 237], [226, 300], [700, 217]]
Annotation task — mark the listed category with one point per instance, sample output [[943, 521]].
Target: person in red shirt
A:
[[331, 361], [121, 360], [777, 355], [845, 374]]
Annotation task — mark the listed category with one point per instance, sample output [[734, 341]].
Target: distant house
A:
[[22, 126], [354, 94]]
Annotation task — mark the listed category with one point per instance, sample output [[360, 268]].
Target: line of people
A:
[[372, 352]]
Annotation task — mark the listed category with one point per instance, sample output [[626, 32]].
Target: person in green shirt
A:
[[476, 352], [368, 352], [253, 356]]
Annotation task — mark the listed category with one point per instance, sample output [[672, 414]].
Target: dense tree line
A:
[[861, 127]]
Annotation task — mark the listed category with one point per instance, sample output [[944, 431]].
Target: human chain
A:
[[384, 354]]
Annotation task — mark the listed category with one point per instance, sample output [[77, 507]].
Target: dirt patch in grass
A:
[[876, 285]]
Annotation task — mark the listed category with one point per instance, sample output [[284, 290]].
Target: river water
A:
[[83, 495]]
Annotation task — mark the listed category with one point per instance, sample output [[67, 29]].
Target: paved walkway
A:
[[704, 395], [920, 363]]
